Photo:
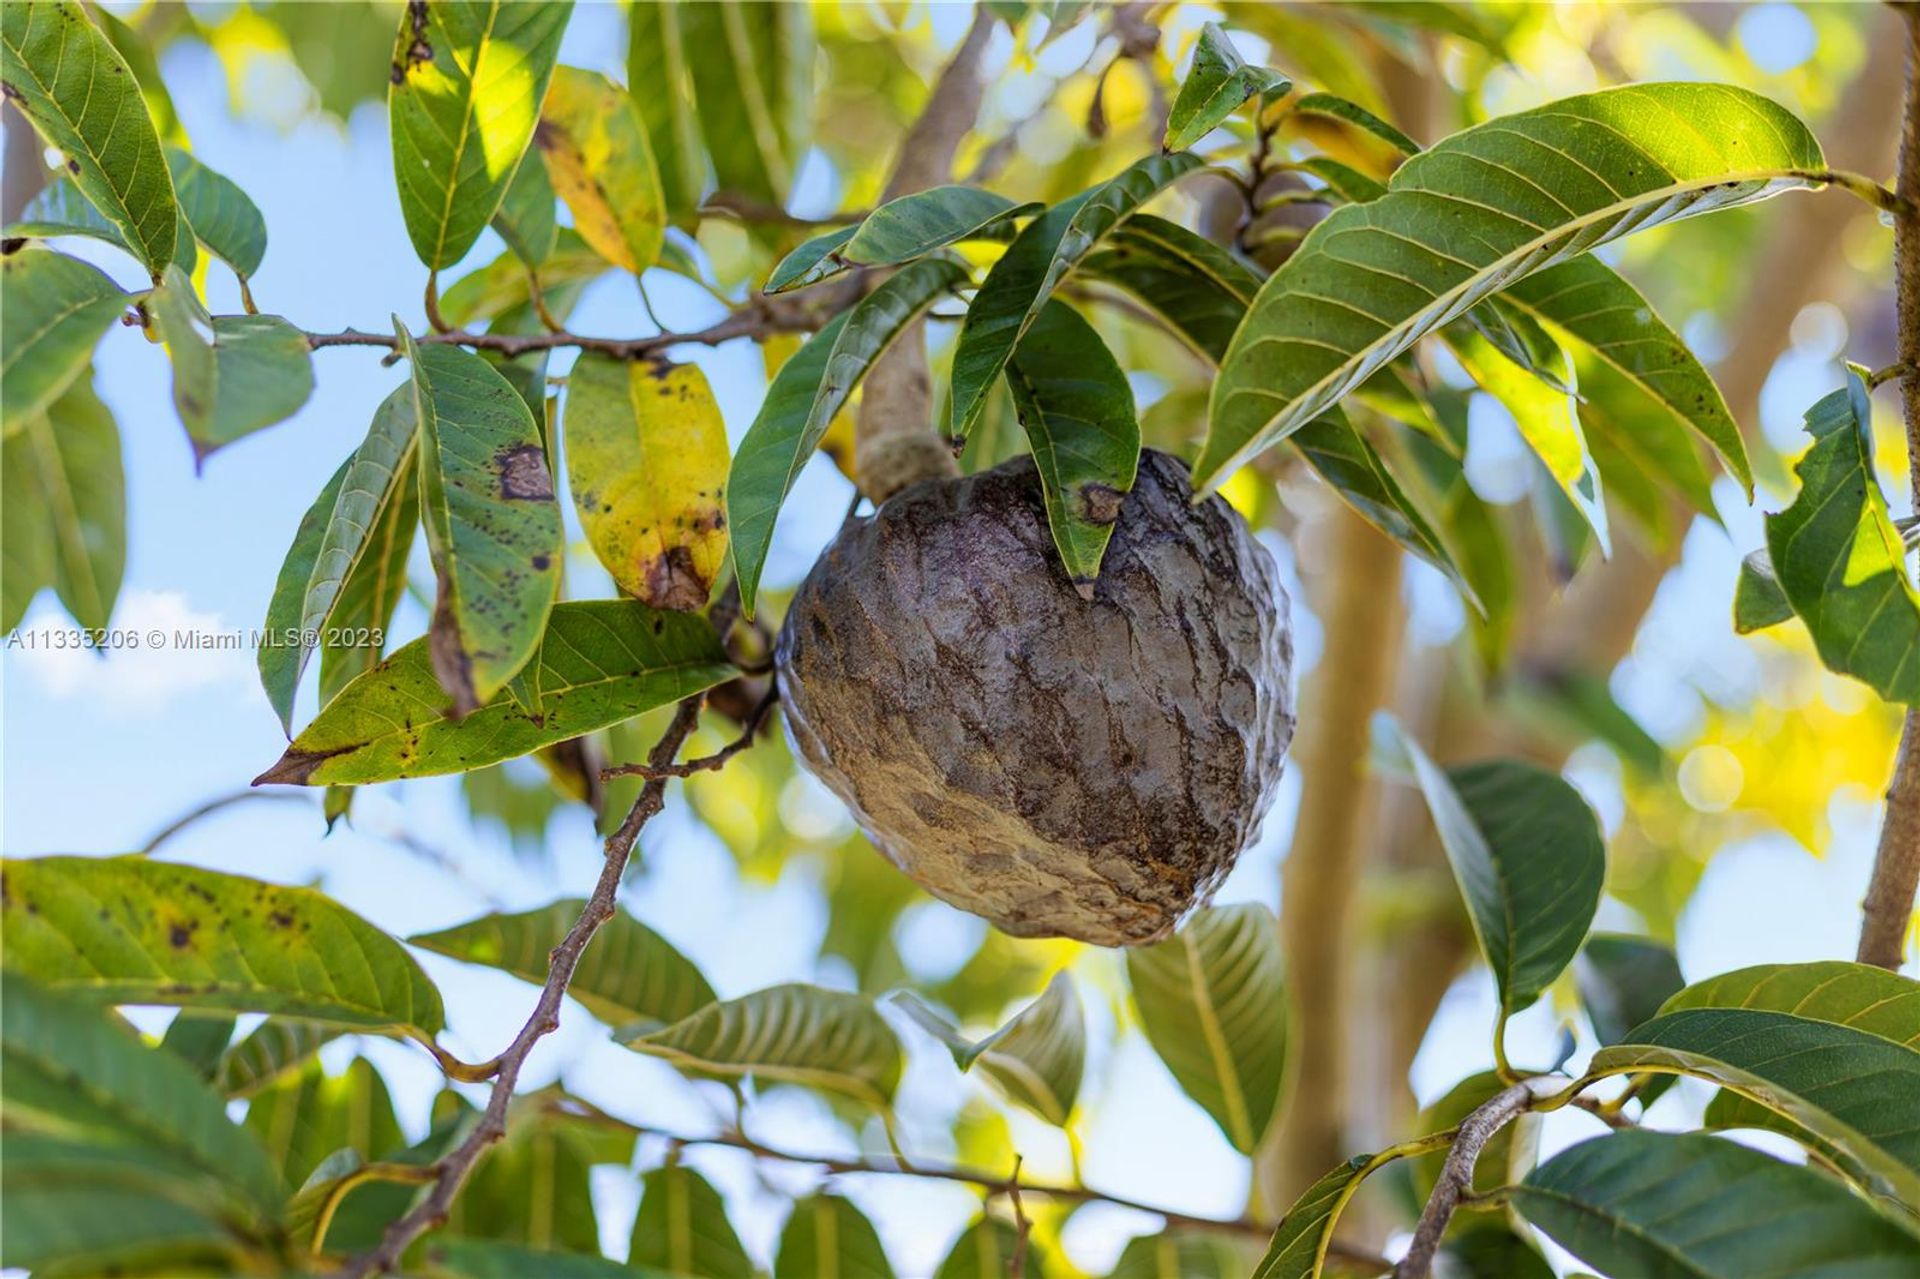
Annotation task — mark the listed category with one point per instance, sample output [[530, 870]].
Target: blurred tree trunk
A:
[[25, 172]]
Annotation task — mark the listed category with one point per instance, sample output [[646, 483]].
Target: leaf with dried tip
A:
[[786, 1034], [53, 309], [1691, 1206], [65, 509], [467, 81], [682, 1228], [647, 463], [1213, 1002], [1838, 557], [75, 89], [1473, 215], [1217, 83], [137, 931], [1036, 1059], [1526, 851], [601, 164], [828, 1238], [493, 526], [600, 662], [1073, 398], [630, 974]]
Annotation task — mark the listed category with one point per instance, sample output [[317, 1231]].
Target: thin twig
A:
[[991, 1183], [452, 1170], [1456, 1175], [1017, 1263], [745, 208], [706, 763], [208, 809], [756, 320]]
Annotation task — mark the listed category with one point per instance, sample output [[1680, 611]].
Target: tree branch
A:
[[706, 763], [1456, 1175], [760, 318], [1888, 907]]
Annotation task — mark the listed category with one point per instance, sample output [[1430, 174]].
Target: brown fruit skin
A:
[[1063, 767]]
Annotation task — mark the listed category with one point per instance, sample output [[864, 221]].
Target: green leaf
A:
[[265, 1055], [1688, 1206], [600, 662], [1473, 215], [1334, 107], [1074, 401], [985, 1251], [221, 215], [1196, 286], [1299, 1247], [647, 464], [682, 1228], [534, 1189], [302, 1120], [1345, 460], [54, 309], [1548, 419], [828, 1238], [898, 231], [1526, 852], [493, 525], [1478, 1249], [347, 534], [1344, 180], [752, 71], [232, 374], [1623, 981], [501, 286], [1217, 82], [628, 974], [601, 163], [1846, 994], [133, 930], [1036, 1059], [787, 1034], [200, 1040], [451, 1257], [525, 219], [60, 209], [77, 1208], [76, 90], [661, 82], [1040, 257], [1840, 561], [71, 1073], [1213, 1002], [810, 388], [468, 79], [1758, 600], [66, 511], [1595, 305], [1850, 1087], [1180, 1254]]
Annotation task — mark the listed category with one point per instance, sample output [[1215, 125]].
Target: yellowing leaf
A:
[[602, 165], [647, 462]]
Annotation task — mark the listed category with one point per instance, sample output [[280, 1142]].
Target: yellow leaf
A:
[[647, 462], [601, 163]]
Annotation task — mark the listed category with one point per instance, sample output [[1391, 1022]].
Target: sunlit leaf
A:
[[1213, 1002], [1690, 1206], [600, 662], [601, 163], [1838, 558], [1036, 1059], [232, 374], [1526, 851], [1018, 286], [71, 1073], [828, 1238], [647, 464], [629, 973], [1217, 83], [67, 79], [221, 215], [1072, 397], [303, 1119], [468, 79], [65, 509], [493, 526], [682, 1228], [1334, 107], [54, 309], [502, 285], [787, 1034], [1473, 215], [267, 1052], [138, 931], [898, 231]]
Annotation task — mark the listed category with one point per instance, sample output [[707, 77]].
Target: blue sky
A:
[[99, 754]]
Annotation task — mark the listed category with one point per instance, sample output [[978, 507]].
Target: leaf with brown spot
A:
[[131, 930], [601, 164], [493, 526], [647, 462]]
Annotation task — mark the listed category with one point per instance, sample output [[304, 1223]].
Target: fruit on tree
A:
[[1064, 767]]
